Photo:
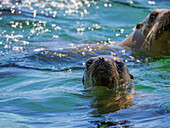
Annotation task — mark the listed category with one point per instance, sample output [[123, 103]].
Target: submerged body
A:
[[107, 71], [152, 35]]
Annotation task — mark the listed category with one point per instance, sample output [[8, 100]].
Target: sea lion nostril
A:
[[101, 59], [139, 25]]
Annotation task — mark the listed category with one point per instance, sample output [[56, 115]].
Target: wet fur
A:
[[152, 35]]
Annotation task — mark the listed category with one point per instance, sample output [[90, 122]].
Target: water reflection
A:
[[119, 123], [108, 101]]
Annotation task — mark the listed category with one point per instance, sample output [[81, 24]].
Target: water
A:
[[43, 47]]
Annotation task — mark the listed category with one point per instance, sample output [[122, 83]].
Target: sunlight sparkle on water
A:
[[55, 36], [151, 2], [43, 39], [17, 49], [117, 34]]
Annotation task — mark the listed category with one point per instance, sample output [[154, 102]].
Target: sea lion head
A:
[[156, 31], [107, 71]]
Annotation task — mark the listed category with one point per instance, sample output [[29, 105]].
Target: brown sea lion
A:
[[152, 35], [107, 71]]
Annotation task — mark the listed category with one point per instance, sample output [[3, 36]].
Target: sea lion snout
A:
[[107, 71], [102, 63], [102, 71]]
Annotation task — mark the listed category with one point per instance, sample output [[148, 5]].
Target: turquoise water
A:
[[43, 47]]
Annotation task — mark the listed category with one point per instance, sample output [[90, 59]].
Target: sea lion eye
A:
[[89, 62], [153, 17], [120, 66]]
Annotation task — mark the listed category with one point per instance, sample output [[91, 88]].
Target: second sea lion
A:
[[152, 35]]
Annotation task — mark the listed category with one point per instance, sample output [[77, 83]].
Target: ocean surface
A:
[[44, 45]]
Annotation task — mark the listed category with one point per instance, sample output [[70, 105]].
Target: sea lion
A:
[[107, 71], [152, 35]]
